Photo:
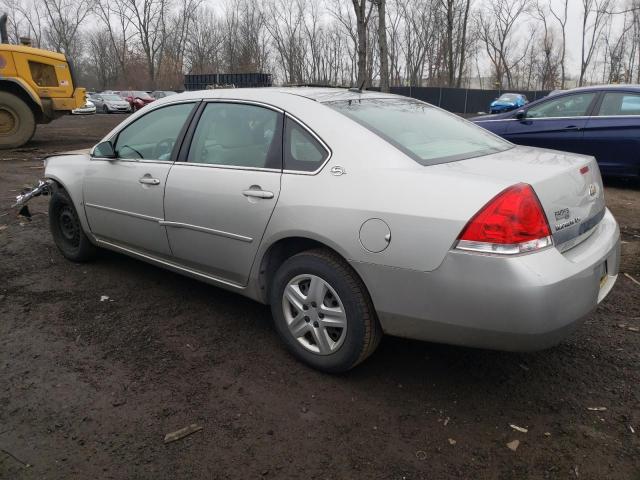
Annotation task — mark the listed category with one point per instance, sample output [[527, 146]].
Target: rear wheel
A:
[[17, 122], [66, 229], [323, 312]]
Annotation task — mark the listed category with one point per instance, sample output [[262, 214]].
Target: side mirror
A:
[[521, 114], [104, 150]]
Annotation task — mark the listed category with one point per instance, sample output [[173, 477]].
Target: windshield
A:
[[509, 97], [144, 95], [111, 97], [427, 134]]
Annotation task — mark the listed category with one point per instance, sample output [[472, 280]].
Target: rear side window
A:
[[239, 135], [153, 136], [620, 103], [302, 152], [427, 134], [566, 106], [43, 74]]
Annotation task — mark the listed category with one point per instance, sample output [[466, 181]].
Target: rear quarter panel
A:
[[424, 207]]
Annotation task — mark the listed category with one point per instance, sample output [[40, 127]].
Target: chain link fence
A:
[[462, 100]]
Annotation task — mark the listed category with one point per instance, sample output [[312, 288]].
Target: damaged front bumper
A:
[[44, 187]]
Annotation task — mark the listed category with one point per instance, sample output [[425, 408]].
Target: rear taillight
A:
[[512, 222]]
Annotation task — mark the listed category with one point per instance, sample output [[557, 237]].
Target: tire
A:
[[105, 109], [17, 122], [343, 347], [66, 229]]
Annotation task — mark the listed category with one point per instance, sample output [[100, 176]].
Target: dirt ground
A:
[[89, 388]]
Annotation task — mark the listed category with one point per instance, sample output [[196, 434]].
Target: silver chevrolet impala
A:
[[350, 213]]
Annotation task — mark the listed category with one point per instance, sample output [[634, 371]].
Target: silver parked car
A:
[[110, 103], [352, 214]]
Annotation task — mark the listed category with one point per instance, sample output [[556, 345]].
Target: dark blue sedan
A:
[[507, 102], [599, 121]]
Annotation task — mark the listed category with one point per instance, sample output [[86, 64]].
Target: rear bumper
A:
[[521, 303]]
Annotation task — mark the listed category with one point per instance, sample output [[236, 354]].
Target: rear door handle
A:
[[257, 193], [572, 127], [149, 181]]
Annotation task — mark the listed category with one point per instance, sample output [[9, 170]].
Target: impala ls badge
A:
[[593, 190]]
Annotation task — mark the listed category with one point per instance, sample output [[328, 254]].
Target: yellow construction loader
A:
[[36, 86]]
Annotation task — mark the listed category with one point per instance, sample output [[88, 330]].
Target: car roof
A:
[[602, 87], [317, 94]]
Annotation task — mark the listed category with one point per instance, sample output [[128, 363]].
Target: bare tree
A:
[[548, 69], [64, 18], [363, 14], [148, 19], [382, 42], [496, 30], [594, 16], [561, 18], [103, 59], [455, 38], [285, 21]]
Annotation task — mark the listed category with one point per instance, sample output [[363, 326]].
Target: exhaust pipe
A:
[[4, 36]]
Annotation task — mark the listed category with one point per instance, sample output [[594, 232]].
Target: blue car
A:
[[600, 121], [507, 102]]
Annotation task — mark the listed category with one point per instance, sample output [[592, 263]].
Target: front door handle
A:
[[257, 193], [572, 127], [149, 181]]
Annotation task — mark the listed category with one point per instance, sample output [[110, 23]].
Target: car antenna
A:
[[358, 89]]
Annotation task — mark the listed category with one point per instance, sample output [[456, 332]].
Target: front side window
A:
[[239, 135], [427, 134], [302, 152], [620, 103], [43, 74], [153, 136], [567, 106]]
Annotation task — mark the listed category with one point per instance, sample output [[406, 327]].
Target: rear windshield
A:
[[427, 134], [140, 94]]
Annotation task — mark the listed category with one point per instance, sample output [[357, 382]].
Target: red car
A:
[[136, 98]]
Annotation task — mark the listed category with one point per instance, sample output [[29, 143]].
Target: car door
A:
[[221, 194], [612, 134], [123, 196], [97, 101], [557, 123]]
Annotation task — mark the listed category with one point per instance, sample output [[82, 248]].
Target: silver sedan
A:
[[352, 214], [110, 103]]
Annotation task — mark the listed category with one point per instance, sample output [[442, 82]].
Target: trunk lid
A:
[[568, 185]]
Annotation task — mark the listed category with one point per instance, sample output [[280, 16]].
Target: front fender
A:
[[68, 171]]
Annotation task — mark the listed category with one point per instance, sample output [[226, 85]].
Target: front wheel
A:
[[323, 312], [66, 229], [17, 122]]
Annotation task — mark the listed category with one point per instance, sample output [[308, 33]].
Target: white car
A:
[[87, 109]]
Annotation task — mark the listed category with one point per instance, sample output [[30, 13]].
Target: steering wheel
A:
[[163, 149]]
